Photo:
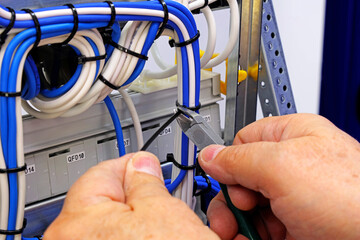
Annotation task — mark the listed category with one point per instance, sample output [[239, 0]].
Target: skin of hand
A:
[[299, 171], [125, 199]]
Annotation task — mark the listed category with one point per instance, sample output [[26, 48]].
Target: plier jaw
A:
[[197, 129]]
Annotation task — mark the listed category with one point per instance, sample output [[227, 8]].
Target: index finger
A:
[[276, 129]]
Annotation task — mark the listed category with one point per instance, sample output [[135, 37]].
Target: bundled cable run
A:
[[102, 57]]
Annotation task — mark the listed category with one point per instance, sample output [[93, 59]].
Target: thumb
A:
[[144, 178], [252, 165]]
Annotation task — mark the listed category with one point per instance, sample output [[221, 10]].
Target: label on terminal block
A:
[[75, 157], [30, 169], [126, 143], [207, 118], [166, 131]]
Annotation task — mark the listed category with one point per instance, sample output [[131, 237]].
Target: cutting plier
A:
[[201, 134]]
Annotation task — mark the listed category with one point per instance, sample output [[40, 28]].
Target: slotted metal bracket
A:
[[275, 91]]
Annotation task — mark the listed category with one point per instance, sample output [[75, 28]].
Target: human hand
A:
[[300, 170], [125, 199]]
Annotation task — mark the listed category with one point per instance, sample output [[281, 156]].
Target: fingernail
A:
[[147, 163], [210, 152]]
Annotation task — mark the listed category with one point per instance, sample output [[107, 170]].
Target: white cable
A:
[[156, 55], [209, 51], [134, 116]]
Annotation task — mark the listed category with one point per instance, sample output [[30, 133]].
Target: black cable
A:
[[196, 108], [37, 26], [76, 24], [206, 2], [154, 136], [9, 26], [165, 19]]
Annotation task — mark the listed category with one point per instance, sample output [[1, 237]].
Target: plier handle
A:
[[201, 134]]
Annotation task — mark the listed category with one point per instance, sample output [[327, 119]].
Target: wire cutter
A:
[[201, 134]]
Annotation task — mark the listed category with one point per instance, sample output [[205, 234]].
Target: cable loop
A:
[[14, 232], [37, 26], [76, 24], [170, 158], [9, 26], [165, 19], [172, 42], [113, 14], [107, 83]]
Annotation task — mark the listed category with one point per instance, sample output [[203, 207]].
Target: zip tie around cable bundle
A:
[[14, 232], [37, 26], [107, 83], [126, 50], [84, 59], [13, 170], [165, 19], [9, 26], [172, 42], [10, 94], [76, 24], [170, 158]]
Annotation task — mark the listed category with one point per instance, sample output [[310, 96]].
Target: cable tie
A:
[[126, 50], [10, 94], [170, 158], [84, 59], [107, 83], [172, 42], [9, 26], [14, 232], [76, 23], [37, 26], [165, 19], [13, 170], [206, 190], [206, 2], [196, 108], [113, 14]]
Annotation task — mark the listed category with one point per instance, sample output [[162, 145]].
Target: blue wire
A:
[[90, 18], [117, 125]]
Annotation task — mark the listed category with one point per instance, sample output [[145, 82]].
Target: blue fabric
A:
[[340, 88]]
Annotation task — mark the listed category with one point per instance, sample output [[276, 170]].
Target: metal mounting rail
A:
[[275, 92]]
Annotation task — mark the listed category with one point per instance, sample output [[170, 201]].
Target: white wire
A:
[[155, 53], [134, 116], [4, 184], [209, 51]]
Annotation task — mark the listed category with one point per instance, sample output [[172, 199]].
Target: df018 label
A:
[[75, 157]]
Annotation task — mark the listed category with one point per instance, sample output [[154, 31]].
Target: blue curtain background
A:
[[340, 87]]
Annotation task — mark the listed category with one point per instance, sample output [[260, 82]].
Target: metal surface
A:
[[197, 129], [17, 4], [275, 92], [241, 99]]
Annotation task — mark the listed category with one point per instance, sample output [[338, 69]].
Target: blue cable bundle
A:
[[16, 58]]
